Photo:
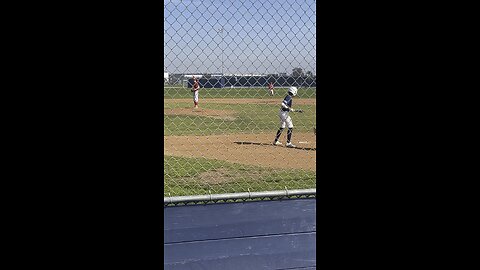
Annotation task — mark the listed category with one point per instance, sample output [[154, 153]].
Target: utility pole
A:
[[222, 48]]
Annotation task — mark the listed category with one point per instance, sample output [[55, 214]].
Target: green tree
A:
[[297, 72]]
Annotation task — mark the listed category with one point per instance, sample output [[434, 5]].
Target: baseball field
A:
[[225, 145]]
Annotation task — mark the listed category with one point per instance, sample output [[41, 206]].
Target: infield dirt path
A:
[[249, 149]]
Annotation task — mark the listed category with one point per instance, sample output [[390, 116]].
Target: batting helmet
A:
[[293, 90]]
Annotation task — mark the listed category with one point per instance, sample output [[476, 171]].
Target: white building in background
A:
[[245, 75], [165, 77], [190, 76]]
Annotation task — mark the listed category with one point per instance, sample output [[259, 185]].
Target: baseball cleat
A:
[[290, 145], [277, 143]]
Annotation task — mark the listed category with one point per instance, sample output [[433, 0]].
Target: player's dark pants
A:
[[289, 134]]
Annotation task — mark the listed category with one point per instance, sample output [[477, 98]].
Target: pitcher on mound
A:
[[270, 88], [195, 88]]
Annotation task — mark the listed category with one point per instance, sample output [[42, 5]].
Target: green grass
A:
[[202, 176], [176, 92], [198, 176], [256, 118]]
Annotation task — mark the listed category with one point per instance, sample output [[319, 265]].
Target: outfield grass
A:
[[198, 176], [204, 175], [176, 92], [256, 118]]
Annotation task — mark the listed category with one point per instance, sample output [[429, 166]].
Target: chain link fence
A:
[[243, 57]]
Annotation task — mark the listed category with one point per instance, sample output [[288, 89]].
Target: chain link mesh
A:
[[244, 55]]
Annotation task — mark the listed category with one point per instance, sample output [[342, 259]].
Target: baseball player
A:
[[285, 120], [270, 88], [195, 88]]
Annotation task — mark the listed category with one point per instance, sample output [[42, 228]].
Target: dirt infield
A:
[[249, 149]]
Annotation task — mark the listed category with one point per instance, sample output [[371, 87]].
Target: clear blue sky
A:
[[262, 36]]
